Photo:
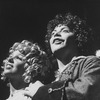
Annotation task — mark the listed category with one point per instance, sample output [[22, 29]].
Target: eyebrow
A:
[[60, 30], [16, 55], [63, 28]]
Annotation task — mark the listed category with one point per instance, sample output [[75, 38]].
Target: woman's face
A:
[[59, 38], [14, 65]]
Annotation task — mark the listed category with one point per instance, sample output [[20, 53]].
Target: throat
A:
[[13, 90], [63, 63], [17, 84]]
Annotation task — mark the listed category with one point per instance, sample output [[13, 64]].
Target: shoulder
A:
[[87, 62], [87, 58]]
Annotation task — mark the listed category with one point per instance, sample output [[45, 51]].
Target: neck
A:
[[16, 85], [64, 59]]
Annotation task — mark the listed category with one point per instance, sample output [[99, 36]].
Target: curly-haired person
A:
[[69, 40], [26, 63]]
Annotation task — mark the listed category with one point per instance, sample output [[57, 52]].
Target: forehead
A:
[[60, 27], [15, 53]]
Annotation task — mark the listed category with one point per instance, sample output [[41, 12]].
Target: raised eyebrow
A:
[[63, 28], [21, 55], [18, 56], [60, 30]]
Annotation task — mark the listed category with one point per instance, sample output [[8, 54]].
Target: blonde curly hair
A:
[[36, 59]]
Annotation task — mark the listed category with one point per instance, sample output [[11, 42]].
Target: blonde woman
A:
[[26, 63]]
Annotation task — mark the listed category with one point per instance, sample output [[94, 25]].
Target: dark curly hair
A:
[[37, 61], [83, 33]]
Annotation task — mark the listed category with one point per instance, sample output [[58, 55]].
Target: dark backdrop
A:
[[28, 20]]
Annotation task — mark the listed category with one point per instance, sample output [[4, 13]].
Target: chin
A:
[[8, 72], [58, 48], [58, 51]]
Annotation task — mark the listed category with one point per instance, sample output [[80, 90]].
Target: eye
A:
[[67, 31], [53, 32], [19, 57]]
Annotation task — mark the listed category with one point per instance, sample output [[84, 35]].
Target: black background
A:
[[28, 20]]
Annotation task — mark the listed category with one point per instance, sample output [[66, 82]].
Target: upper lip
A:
[[58, 39]]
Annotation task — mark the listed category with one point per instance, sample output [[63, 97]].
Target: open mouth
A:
[[58, 41], [9, 66]]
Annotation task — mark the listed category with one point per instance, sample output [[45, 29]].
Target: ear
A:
[[27, 79], [26, 65]]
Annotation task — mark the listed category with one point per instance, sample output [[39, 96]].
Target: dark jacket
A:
[[79, 81]]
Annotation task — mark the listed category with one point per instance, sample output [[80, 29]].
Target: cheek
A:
[[50, 42], [19, 66], [68, 37], [51, 46], [65, 39]]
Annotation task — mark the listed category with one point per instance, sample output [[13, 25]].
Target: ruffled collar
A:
[[59, 72]]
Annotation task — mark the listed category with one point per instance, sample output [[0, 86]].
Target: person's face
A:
[[59, 37], [14, 65]]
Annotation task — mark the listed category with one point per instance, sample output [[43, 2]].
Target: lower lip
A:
[[58, 42]]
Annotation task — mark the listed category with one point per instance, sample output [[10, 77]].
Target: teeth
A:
[[58, 41], [8, 66]]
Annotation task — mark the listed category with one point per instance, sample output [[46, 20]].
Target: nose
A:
[[57, 34]]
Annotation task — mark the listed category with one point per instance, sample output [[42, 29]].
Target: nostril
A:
[[57, 34]]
